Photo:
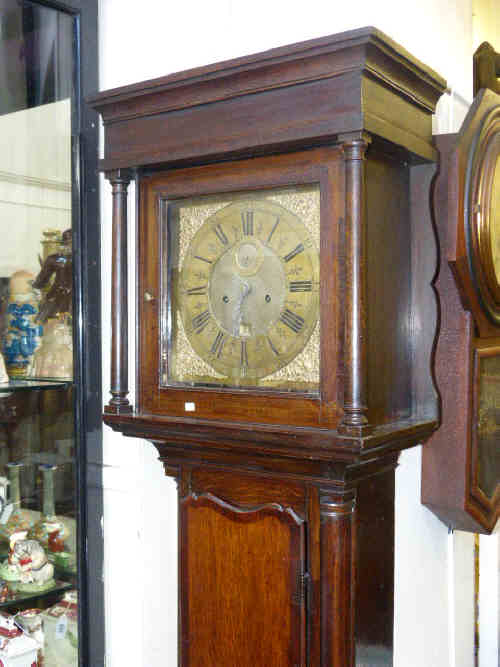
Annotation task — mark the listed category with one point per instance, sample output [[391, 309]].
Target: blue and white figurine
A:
[[23, 334]]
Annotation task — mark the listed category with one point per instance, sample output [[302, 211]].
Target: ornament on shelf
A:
[[31, 622], [60, 624], [27, 566], [3, 371], [13, 517], [23, 332], [17, 649], [50, 524], [54, 357], [56, 271]]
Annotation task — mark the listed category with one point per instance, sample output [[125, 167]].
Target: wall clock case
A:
[[284, 256], [461, 462]]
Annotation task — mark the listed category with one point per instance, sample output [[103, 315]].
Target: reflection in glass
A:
[[495, 221], [37, 445], [488, 424]]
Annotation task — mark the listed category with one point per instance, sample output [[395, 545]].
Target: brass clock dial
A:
[[249, 289]]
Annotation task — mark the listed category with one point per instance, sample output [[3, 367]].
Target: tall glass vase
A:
[[53, 532], [20, 518]]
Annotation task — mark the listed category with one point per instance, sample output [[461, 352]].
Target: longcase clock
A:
[[285, 254]]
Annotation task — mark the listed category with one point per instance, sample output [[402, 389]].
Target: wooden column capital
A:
[[119, 404], [355, 421]]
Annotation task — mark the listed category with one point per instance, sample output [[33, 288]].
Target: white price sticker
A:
[[7, 511], [61, 627]]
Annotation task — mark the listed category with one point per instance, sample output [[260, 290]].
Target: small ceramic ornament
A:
[[3, 371], [56, 274], [17, 649], [13, 517], [53, 532], [54, 358], [61, 632], [23, 332], [27, 566], [31, 622]]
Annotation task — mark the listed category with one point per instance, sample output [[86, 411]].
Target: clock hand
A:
[[238, 312]]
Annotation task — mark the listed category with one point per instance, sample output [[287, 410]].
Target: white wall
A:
[[149, 39]]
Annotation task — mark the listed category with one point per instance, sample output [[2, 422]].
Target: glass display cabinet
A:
[[49, 301]]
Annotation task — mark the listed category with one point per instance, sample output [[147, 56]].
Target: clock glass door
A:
[[495, 221], [487, 423]]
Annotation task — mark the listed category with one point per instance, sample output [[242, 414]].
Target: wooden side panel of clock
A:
[[389, 300]]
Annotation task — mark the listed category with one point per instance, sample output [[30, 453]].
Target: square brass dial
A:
[[240, 283]]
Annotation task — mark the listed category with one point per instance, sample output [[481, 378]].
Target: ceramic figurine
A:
[[51, 244], [5, 592], [61, 632], [31, 622], [4, 483], [17, 649], [59, 268], [3, 371], [23, 333], [54, 357], [14, 517], [27, 565]]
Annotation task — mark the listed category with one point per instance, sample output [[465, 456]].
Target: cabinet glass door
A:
[[39, 583]]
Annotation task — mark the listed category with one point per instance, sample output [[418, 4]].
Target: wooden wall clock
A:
[[461, 462], [285, 253]]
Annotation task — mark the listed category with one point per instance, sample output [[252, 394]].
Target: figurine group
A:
[[38, 341]]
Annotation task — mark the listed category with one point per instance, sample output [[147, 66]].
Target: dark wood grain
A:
[[341, 83], [241, 571], [119, 403], [354, 420], [337, 580]]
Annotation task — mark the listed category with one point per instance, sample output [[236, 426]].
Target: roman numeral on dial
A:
[[301, 286], [244, 354], [293, 253], [292, 320], [203, 259], [219, 232], [247, 223], [273, 347], [200, 321], [273, 230], [197, 291], [218, 344]]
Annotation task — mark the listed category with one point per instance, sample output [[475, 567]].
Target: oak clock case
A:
[[467, 216], [279, 266]]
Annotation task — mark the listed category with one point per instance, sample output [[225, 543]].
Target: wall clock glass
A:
[[240, 289], [488, 422], [495, 221]]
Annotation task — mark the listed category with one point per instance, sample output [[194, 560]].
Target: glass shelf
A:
[[18, 597], [29, 385]]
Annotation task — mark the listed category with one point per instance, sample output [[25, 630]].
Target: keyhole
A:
[[268, 298], [225, 298]]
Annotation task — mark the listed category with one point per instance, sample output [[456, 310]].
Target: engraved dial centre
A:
[[247, 289]]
